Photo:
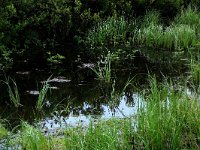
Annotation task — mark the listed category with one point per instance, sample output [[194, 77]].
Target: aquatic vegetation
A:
[[33, 139], [195, 72], [150, 36], [183, 37], [103, 70], [42, 94], [13, 91], [169, 120], [151, 18], [112, 134], [189, 16], [3, 131], [108, 33]]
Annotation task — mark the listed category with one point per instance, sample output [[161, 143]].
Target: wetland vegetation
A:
[[99, 74]]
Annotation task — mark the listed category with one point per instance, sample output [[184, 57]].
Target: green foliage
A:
[[109, 34], [33, 139], [104, 72], [30, 28], [178, 36], [13, 91], [110, 135], [190, 17], [55, 59], [5, 58], [169, 119], [3, 131], [42, 95], [195, 72]]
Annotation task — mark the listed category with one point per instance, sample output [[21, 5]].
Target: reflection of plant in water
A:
[[115, 97]]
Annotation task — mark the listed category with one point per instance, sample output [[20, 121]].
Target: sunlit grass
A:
[[110, 135], [189, 16], [42, 95], [33, 139], [103, 71], [3, 131], [179, 37], [169, 120]]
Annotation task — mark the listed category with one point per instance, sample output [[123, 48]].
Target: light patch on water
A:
[[123, 110]]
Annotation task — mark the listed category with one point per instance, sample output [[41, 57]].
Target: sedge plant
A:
[[104, 72], [13, 91], [42, 95], [169, 119]]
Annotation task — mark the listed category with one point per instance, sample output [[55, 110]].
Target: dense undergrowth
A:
[[53, 33]]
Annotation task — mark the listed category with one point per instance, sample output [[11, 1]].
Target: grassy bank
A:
[[168, 119]]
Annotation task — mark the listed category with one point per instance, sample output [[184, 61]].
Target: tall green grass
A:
[[189, 16], [42, 95], [169, 120], [178, 36], [13, 91], [108, 33], [109, 135], [103, 71], [33, 139], [3, 131], [195, 72]]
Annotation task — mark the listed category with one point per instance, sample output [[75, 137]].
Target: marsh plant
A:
[[189, 16], [180, 35], [103, 69], [110, 135], [195, 72], [3, 131], [108, 33], [183, 37], [42, 95], [12, 91], [33, 139], [169, 120]]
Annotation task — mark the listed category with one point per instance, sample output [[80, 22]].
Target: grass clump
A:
[[110, 135], [13, 91], [189, 16], [169, 120], [104, 72], [108, 33], [3, 131], [195, 72], [179, 37], [33, 139], [42, 94]]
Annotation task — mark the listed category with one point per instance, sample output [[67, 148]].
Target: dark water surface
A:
[[69, 102]]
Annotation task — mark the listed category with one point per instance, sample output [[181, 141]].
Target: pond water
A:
[[69, 102]]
